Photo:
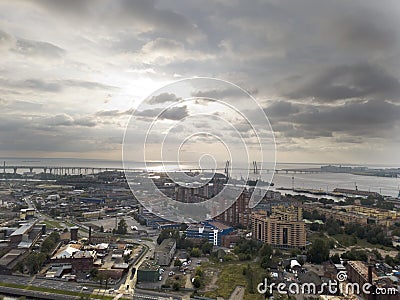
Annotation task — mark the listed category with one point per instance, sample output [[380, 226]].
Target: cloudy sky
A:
[[325, 72]]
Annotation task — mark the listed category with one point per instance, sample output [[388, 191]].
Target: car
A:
[[171, 273], [84, 288], [160, 278]]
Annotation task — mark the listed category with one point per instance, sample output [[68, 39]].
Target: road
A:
[[46, 283], [130, 284]]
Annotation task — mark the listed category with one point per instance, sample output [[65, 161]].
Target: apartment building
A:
[[278, 232]]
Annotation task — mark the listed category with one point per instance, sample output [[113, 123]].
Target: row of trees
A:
[[35, 260], [182, 242], [198, 279], [373, 234], [247, 249]]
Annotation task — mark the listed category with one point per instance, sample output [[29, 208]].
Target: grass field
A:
[[52, 224], [231, 275], [347, 240]]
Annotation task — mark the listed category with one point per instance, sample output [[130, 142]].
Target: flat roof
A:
[[166, 245], [148, 265], [23, 229], [219, 225]]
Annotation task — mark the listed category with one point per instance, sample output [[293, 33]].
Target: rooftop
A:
[[219, 225], [148, 265], [67, 251], [23, 229], [166, 245]]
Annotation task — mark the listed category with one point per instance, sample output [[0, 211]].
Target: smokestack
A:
[[370, 274], [90, 234], [74, 233]]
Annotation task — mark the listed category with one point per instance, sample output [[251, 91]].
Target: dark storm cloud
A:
[[335, 62], [369, 118], [144, 16], [281, 109], [366, 30], [80, 7], [361, 80]]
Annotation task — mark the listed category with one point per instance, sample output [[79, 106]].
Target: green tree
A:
[[335, 259], [197, 282], [94, 272], [266, 250], [176, 286], [177, 263], [196, 252], [199, 272], [319, 252], [207, 247], [34, 262], [50, 242], [122, 227]]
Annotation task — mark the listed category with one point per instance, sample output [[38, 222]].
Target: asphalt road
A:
[[47, 283]]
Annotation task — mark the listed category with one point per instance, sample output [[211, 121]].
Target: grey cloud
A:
[[344, 82], [40, 85], [370, 118], [163, 98], [251, 45], [19, 105], [366, 30], [67, 120], [173, 113], [67, 7], [163, 44], [37, 48], [349, 139], [137, 15], [5, 38], [281, 109], [54, 86], [85, 84], [113, 113], [86, 122], [218, 94]]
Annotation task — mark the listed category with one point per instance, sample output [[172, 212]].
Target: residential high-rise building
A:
[[239, 213], [283, 230]]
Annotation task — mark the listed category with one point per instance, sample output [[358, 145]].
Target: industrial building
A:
[[164, 252], [212, 231], [148, 272]]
